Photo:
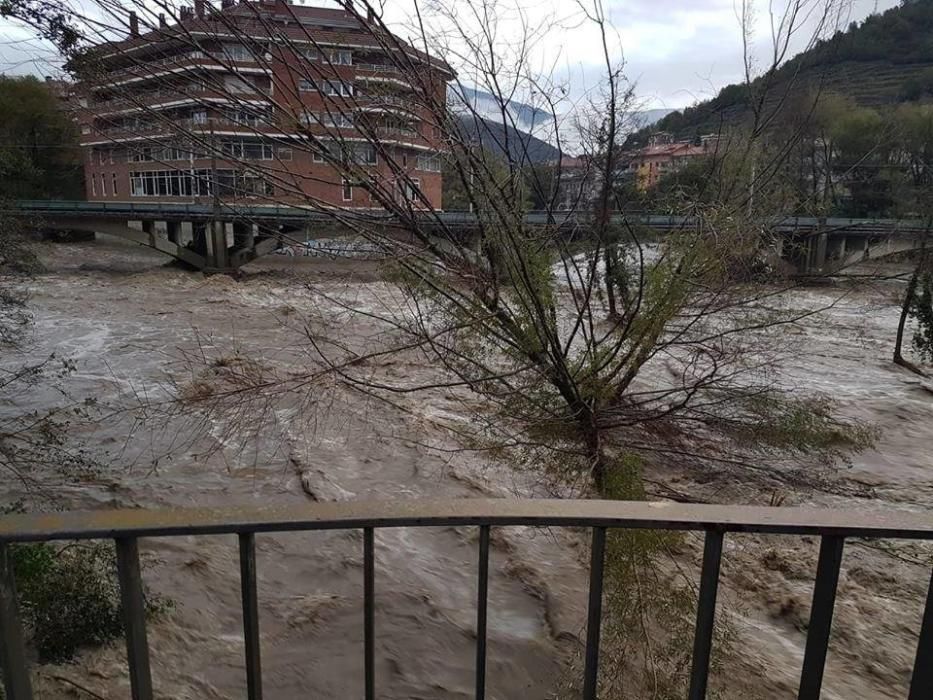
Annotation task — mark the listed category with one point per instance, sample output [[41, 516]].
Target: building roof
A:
[[672, 150], [269, 19], [571, 163]]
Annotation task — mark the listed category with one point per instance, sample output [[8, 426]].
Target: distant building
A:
[[223, 105], [574, 183], [662, 156]]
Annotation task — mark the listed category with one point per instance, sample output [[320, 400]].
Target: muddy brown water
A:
[[127, 320]]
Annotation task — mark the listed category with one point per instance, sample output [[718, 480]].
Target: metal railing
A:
[[453, 218], [381, 101], [377, 67], [128, 526]]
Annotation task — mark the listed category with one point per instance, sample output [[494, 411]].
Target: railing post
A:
[[594, 614], [921, 683], [706, 614], [250, 615], [369, 613], [134, 617], [482, 598], [821, 617], [12, 651]]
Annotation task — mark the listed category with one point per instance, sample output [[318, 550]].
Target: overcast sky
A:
[[680, 51], [677, 51]]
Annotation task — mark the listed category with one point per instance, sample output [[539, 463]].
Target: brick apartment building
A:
[[241, 99]]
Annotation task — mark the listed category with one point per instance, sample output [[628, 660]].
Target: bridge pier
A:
[[818, 247], [216, 248], [149, 228], [836, 248], [173, 231], [243, 235]]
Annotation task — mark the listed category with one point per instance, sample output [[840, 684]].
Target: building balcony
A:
[[168, 128], [386, 104], [717, 524], [378, 68], [181, 64], [382, 75], [170, 98], [115, 134]]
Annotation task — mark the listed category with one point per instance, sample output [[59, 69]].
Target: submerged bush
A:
[[69, 597]]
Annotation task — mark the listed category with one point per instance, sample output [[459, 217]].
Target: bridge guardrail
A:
[[449, 218], [126, 527]]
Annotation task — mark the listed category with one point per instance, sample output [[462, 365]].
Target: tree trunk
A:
[[905, 311], [610, 283]]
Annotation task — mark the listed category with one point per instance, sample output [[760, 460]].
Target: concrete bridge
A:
[[224, 238]]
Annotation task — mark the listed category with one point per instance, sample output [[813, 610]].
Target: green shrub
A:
[[69, 597]]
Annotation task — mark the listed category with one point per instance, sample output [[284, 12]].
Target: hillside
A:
[[886, 59], [494, 136]]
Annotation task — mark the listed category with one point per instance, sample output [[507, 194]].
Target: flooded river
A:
[[129, 323]]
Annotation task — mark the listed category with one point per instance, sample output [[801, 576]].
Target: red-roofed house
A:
[[651, 163]]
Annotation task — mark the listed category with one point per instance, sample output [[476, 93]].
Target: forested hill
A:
[[886, 59]]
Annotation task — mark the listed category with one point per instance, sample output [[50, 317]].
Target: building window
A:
[[252, 184], [236, 84], [101, 158], [198, 183], [247, 150], [364, 154], [337, 119], [330, 119], [335, 88], [285, 153], [164, 183], [341, 58], [237, 52], [149, 154], [410, 190], [140, 155], [429, 163], [347, 191], [114, 182], [103, 184], [332, 148], [305, 85], [93, 184], [247, 117]]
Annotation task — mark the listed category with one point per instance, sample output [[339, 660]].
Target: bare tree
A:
[[513, 311]]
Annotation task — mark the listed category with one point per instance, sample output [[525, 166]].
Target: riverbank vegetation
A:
[[68, 594]]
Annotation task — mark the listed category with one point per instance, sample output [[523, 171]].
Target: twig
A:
[[80, 687]]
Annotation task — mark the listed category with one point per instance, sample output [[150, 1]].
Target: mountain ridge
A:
[[884, 60]]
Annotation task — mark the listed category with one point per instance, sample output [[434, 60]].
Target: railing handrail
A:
[[125, 527], [464, 512]]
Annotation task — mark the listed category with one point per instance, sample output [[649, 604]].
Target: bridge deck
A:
[[160, 211]]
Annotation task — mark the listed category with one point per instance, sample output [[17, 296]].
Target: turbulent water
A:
[[129, 323]]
